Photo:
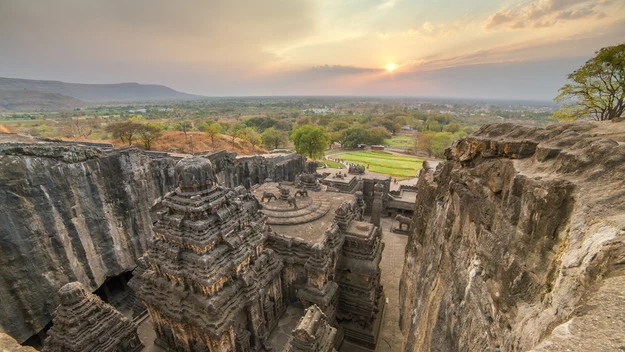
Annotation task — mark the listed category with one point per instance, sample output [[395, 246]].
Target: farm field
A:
[[399, 166]]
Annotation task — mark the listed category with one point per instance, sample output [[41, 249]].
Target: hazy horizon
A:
[[510, 50]]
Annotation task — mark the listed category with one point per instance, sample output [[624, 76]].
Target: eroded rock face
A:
[[512, 236], [69, 213]]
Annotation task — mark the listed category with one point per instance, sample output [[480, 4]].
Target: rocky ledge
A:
[[518, 243]]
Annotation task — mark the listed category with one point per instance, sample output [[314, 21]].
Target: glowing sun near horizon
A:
[[391, 67]]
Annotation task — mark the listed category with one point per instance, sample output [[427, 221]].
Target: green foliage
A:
[[440, 142], [356, 135], [149, 133], [235, 131], [273, 138], [251, 136], [44, 131], [432, 125], [423, 141], [452, 128], [212, 130], [311, 141], [377, 135], [124, 131], [339, 125], [597, 89]]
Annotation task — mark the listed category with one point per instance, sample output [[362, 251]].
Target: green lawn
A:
[[333, 164], [386, 163], [401, 140]]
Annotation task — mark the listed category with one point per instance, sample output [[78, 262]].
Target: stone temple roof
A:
[[84, 323]]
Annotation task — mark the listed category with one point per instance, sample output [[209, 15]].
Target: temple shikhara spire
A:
[[211, 284]]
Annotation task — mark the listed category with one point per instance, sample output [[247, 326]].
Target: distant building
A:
[[377, 147]]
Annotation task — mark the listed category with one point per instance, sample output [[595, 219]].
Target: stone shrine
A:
[[313, 333], [211, 284], [83, 323]]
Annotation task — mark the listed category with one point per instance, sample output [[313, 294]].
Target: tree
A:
[[212, 130], [432, 125], [597, 89], [310, 140], [273, 138], [452, 128], [377, 135], [339, 125], [185, 125], [124, 131], [424, 142], [149, 133], [440, 142], [356, 135], [235, 131], [251, 136]]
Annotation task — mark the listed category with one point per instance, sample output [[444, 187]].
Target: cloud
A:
[[338, 70], [430, 30], [544, 13]]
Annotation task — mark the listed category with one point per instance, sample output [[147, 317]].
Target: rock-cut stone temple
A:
[[211, 284]]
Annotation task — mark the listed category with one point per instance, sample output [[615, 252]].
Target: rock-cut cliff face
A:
[[69, 213], [517, 243]]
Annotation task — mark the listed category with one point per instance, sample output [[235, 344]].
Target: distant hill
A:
[[29, 100], [118, 92]]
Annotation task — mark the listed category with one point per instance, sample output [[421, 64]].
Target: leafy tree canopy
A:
[[311, 141], [273, 138], [355, 136], [596, 89]]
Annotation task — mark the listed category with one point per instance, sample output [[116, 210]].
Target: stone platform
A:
[[312, 218], [279, 212]]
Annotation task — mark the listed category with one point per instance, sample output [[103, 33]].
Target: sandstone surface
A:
[[69, 213], [518, 242]]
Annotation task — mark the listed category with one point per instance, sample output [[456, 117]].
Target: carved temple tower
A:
[[211, 285], [84, 323]]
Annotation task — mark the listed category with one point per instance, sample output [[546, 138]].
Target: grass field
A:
[[401, 140], [386, 163], [333, 164]]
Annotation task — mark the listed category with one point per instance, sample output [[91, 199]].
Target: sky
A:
[[507, 49]]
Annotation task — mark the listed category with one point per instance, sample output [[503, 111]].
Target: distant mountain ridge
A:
[[98, 93], [30, 100]]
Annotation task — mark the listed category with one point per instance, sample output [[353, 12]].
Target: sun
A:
[[391, 67]]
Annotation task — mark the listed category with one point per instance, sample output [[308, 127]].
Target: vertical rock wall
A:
[[252, 170], [69, 213], [511, 237]]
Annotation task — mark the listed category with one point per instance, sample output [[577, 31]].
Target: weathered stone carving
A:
[[376, 211], [268, 196], [211, 284], [309, 181], [292, 202], [356, 169], [313, 333], [83, 323], [302, 192], [403, 220]]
